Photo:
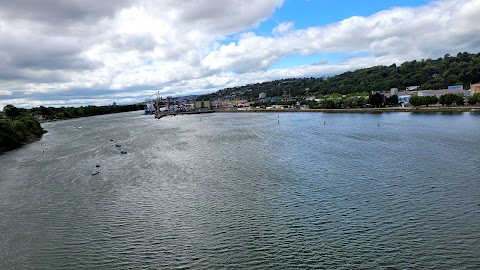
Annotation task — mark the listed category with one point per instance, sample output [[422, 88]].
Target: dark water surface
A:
[[251, 191]]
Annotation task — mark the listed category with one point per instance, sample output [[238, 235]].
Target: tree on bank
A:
[[392, 100], [8, 136], [19, 128], [11, 111], [415, 101], [449, 99], [424, 100], [474, 99], [375, 100]]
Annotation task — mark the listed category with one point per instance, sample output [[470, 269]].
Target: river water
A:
[[245, 190]]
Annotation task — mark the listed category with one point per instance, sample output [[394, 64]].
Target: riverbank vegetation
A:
[[376, 100], [429, 74], [444, 100], [52, 113], [17, 128]]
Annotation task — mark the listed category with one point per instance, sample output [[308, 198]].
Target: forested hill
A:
[[462, 69]]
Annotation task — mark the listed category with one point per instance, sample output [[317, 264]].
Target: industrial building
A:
[[404, 96], [438, 93], [475, 88]]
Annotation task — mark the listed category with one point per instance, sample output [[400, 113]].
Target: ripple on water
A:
[[244, 191]]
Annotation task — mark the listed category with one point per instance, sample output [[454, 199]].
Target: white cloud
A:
[[5, 93], [283, 28], [86, 51], [399, 34]]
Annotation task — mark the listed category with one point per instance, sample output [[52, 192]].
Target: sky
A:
[[85, 52]]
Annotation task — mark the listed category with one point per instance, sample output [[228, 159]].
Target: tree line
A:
[[429, 74], [51, 113], [378, 100], [445, 100], [20, 126]]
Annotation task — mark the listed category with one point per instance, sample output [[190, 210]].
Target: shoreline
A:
[[31, 140], [369, 110]]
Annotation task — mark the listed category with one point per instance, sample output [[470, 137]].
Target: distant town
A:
[[409, 97]]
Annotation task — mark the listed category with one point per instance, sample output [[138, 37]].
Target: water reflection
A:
[[254, 191]]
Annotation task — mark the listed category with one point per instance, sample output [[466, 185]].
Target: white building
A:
[[438, 93]]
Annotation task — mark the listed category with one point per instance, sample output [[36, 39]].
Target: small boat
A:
[[123, 152], [111, 140], [95, 172], [118, 145]]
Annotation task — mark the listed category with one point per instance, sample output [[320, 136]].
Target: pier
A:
[[173, 108], [163, 114]]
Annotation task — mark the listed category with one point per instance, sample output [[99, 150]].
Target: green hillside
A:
[[462, 69]]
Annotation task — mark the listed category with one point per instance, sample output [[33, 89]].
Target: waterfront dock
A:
[[163, 114]]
